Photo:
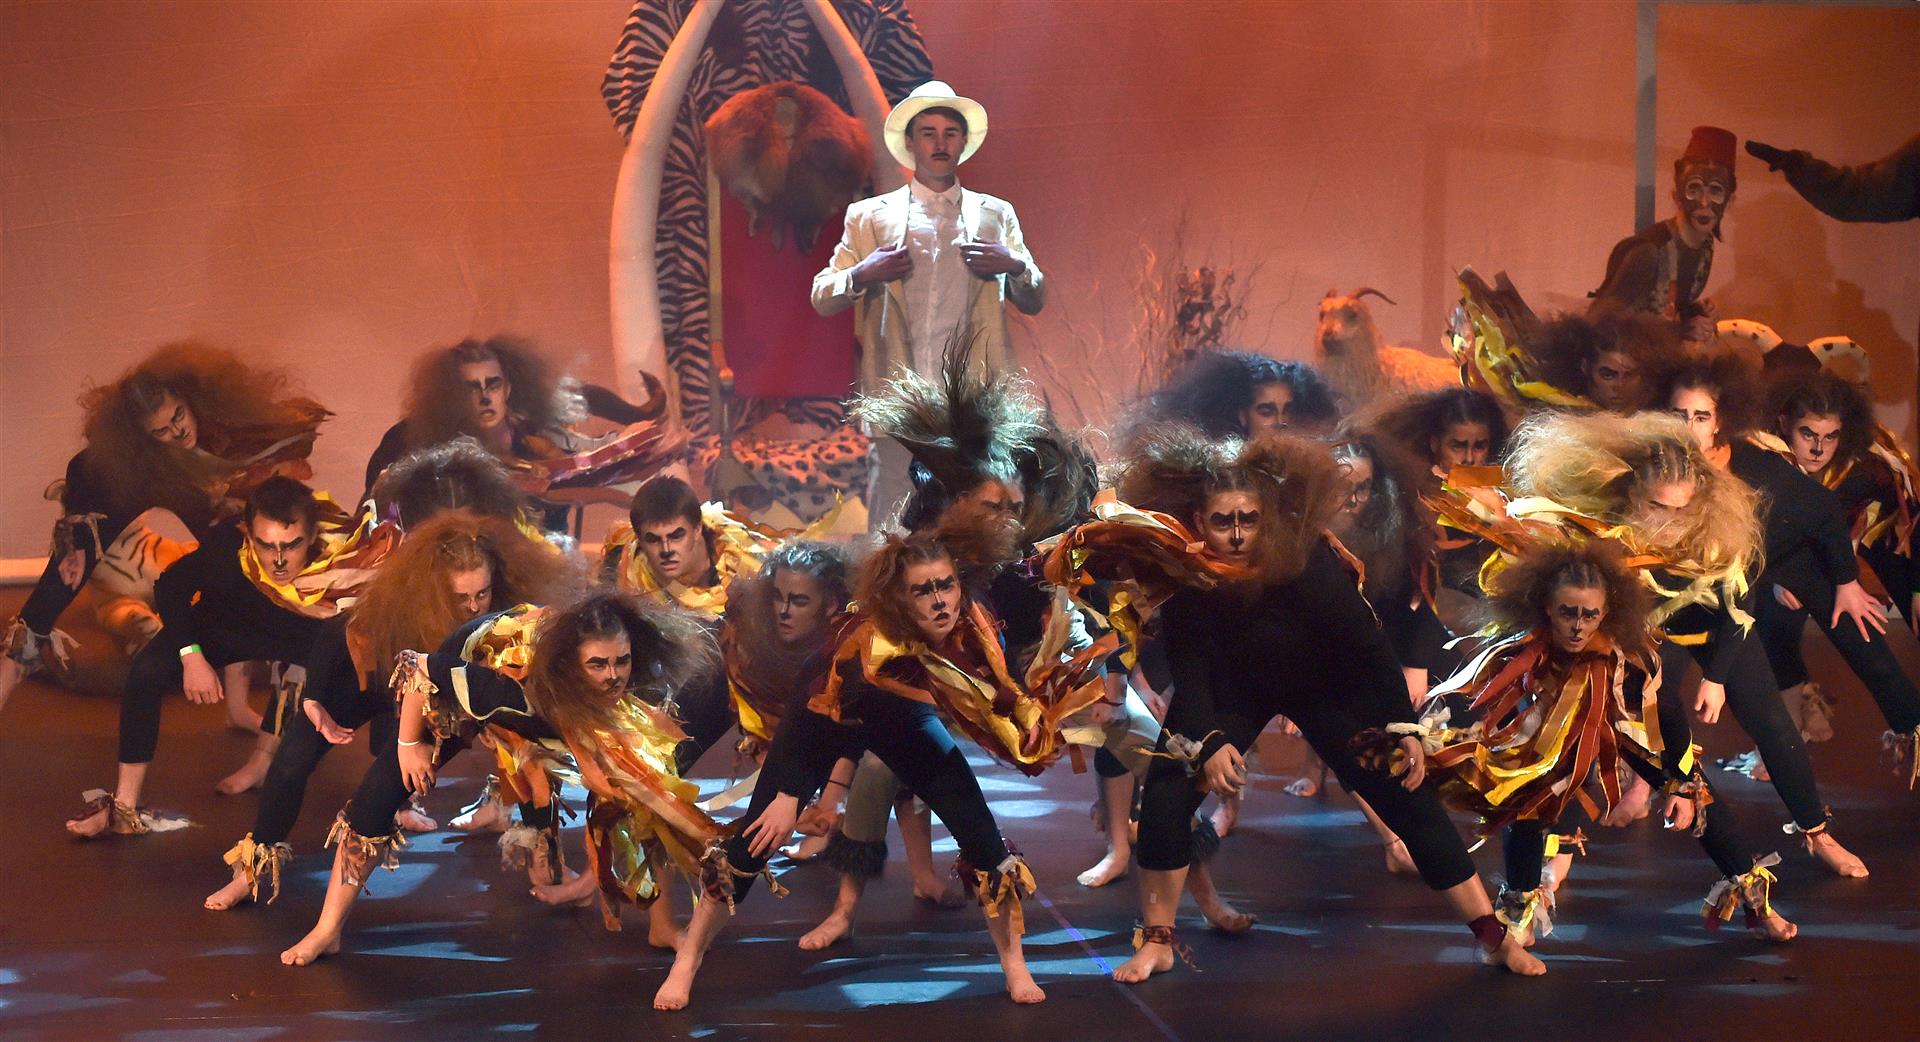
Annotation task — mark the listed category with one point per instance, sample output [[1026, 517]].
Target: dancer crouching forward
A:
[[1565, 692], [549, 686], [447, 572], [918, 649], [1293, 637]]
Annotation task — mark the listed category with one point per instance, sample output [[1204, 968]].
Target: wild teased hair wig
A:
[[1569, 343], [672, 649], [457, 474], [410, 602], [1731, 381], [968, 426], [753, 644], [1174, 468], [880, 587], [134, 470], [438, 404], [1520, 596], [1793, 396], [1593, 464], [1211, 391], [1415, 421], [1393, 533]]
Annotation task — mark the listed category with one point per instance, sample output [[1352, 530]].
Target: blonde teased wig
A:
[[1594, 465]]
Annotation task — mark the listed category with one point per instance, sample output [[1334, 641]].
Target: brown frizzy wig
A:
[[1520, 596], [1570, 342], [1795, 396], [1393, 533], [1175, 469], [453, 475], [753, 644], [438, 402], [135, 471], [1730, 380], [1414, 422], [672, 650], [880, 588], [410, 603], [1593, 464]]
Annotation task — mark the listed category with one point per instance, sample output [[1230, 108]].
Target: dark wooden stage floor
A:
[[107, 940]]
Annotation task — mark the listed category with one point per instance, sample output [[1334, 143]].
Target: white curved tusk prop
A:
[[863, 89], [639, 337]]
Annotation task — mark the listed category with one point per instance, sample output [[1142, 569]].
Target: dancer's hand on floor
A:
[[1416, 763], [199, 679], [324, 723], [773, 826], [1853, 601], [1225, 772], [416, 767], [1711, 699]]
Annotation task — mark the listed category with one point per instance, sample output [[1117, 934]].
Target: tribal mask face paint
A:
[[934, 592], [1228, 524]]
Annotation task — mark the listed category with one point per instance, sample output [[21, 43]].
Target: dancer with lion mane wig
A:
[[445, 573], [555, 691], [1644, 481], [1278, 627], [1570, 688], [919, 650], [190, 429]]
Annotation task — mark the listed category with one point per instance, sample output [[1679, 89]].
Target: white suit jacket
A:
[[880, 315]]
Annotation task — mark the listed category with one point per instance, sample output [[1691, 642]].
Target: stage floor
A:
[[107, 940]]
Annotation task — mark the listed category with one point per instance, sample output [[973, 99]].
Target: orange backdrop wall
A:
[[333, 186]]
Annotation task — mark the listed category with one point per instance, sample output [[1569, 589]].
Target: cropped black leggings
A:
[[910, 739], [1754, 699], [156, 672], [1780, 629], [1172, 796], [301, 750], [383, 791]]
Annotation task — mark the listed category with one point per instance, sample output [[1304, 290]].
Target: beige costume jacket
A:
[[879, 318]]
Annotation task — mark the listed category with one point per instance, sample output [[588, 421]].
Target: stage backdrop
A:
[[334, 185]]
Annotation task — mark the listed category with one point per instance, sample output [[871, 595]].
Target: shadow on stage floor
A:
[[107, 940]]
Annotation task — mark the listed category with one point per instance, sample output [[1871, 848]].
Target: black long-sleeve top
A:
[[206, 596], [1799, 514], [1315, 634], [492, 697], [334, 682], [1887, 189]]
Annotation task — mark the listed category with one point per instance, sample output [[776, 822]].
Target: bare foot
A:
[[1020, 985], [576, 891], [1223, 916], [248, 777], [831, 931], [313, 946], [1107, 869], [665, 938], [413, 819], [1226, 816], [485, 814], [92, 825], [1514, 958], [1304, 787], [1774, 928], [1836, 857], [937, 891], [235, 892], [1635, 803], [1399, 862], [807, 849], [1149, 960], [678, 987]]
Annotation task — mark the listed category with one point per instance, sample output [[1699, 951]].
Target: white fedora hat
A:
[[934, 94]]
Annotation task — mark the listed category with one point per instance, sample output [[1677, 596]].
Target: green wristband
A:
[[191, 649]]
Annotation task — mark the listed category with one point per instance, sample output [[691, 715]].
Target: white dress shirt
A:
[[936, 293]]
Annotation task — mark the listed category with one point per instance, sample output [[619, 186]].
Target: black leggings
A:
[[49, 598], [910, 739], [301, 750], [1780, 630], [383, 791], [705, 712], [1172, 796], [156, 673], [1754, 699]]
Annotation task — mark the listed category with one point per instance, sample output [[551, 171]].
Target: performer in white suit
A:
[[928, 263]]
